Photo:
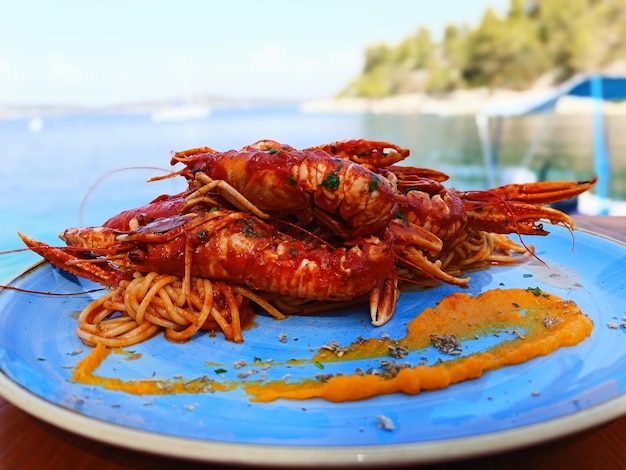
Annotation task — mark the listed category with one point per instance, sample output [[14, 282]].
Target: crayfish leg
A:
[[383, 299], [206, 184], [432, 269]]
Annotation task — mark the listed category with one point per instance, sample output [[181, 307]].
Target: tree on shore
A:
[[534, 40]]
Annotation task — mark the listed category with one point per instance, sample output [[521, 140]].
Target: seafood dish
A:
[[293, 232]]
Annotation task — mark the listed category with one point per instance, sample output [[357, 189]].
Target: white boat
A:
[[35, 124], [180, 113]]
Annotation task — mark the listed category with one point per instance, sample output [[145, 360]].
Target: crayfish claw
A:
[[70, 260], [376, 154], [541, 192]]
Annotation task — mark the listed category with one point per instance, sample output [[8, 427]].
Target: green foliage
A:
[[537, 38], [505, 53]]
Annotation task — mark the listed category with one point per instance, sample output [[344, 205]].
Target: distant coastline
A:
[[16, 111], [464, 102], [459, 103]]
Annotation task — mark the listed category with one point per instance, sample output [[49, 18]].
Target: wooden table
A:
[[26, 442]]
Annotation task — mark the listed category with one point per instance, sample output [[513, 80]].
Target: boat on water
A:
[[178, 113], [35, 124], [598, 87]]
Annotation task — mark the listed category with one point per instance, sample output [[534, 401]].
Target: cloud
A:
[[63, 71], [271, 70], [347, 59], [278, 71], [269, 56], [9, 72]]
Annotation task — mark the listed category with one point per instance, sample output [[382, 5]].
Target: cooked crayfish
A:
[[310, 184], [437, 220], [363, 223], [353, 187], [230, 246]]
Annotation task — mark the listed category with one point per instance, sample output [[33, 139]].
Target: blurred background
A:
[[95, 96]]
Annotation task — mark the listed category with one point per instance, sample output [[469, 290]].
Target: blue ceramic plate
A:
[[567, 391]]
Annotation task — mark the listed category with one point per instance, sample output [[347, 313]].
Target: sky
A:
[[101, 53]]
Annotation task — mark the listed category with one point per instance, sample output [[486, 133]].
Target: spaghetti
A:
[[479, 249], [138, 309], [471, 250]]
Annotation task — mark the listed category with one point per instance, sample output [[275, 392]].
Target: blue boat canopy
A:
[[598, 87]]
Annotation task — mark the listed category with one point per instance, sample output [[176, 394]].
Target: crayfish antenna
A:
[[383, 300]]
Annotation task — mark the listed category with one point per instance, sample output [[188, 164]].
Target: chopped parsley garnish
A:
[[536, 291], [332, 180], [291, 180], [400, 215], [374, 184], [272, 150]]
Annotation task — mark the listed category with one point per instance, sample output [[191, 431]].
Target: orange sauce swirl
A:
[[547, 322], [537, 323]]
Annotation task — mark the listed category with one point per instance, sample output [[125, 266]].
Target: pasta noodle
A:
[[150, 303], [473, 249], [479, 249]]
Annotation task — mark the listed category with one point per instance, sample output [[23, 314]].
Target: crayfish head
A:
[[76, 262]]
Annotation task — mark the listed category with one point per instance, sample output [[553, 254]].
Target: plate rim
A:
[[309, 456], [222, 452]]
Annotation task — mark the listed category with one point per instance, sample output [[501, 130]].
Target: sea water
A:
[[78, 170]]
